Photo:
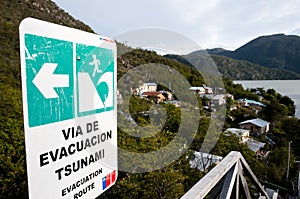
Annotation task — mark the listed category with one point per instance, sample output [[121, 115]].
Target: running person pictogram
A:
[[96, 62]]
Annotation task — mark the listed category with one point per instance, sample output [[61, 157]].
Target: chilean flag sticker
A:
[[108, 179]]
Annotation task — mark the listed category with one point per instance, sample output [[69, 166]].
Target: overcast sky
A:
[[214, 23]]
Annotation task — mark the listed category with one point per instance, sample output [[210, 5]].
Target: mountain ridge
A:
[[239, 69], [273, 51]]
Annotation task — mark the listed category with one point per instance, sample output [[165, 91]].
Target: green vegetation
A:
[[13, 178], [241, 69], [244, 70], [139, 57]]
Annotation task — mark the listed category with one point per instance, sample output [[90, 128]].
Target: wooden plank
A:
[[245, 186], [205, 184], [237, 181], [235, 161], [253, 177]]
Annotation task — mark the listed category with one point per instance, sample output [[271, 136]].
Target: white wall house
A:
[[148, 87], [218, 99], [256, 126], [198, 90], [242, 134]]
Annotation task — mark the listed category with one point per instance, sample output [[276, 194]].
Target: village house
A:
[[252, 104], [246, 103], [256, 126], [148, 87], [218, 99], [157, 97], [167, 94], [202, 90], [257, 148], [198, 90], [242, 134], [145, 87], [253, 145], [229, 96], [208, 90]]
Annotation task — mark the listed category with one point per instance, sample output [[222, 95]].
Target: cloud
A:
[[213, 23]]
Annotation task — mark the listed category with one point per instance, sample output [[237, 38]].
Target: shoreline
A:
[[283, 87]]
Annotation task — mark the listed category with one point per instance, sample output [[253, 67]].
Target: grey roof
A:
[[258, 122], [150, 84], [254, 145], [218, 97], [252, 102], [272, 193], [196, 88], [237, 132], [204, 160]]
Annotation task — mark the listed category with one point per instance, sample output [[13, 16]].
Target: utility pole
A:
[[288, 164]]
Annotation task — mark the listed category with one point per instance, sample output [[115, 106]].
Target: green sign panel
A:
[[49, 68], [49, 79], [95, 75]]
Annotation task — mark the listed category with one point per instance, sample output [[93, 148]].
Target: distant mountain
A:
[[244, 70], [277, 51], [215, 51], [239, 69], [274, 51]]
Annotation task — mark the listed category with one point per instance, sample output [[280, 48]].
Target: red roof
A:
[[154, 94]]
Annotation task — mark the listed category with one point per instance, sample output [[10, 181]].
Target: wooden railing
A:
[[226, 180]]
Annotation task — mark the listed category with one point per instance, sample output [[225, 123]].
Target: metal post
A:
[[288, 163]]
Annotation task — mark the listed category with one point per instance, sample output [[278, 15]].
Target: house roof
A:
[[208, 96], [204, 160], [272, 193], [237, 132], [196, 88], [218, 97], [254, 145], [258, 122], [154, 94], [253, 102], [149, 84]]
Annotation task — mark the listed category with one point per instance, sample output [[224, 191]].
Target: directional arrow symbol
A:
[[46, 81]]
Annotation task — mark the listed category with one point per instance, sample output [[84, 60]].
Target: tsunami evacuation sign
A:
[[69, 107]]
